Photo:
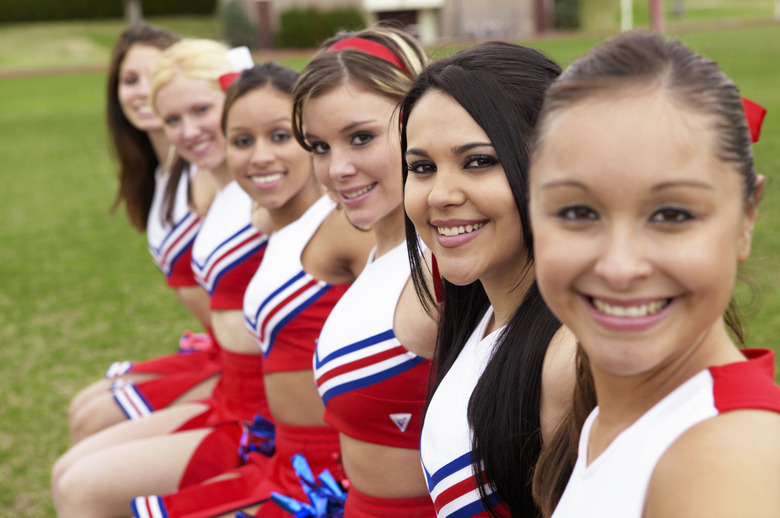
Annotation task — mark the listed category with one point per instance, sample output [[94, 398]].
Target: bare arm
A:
[[558, 378]]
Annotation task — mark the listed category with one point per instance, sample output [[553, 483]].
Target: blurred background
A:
[[77, 287]]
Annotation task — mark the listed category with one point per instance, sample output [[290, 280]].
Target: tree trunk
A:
[[133, 11]]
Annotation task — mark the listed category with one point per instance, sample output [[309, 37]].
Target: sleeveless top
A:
[[615, 483], [228, 249], [374, 389], [445, 446], [285, 306], [171, 244]]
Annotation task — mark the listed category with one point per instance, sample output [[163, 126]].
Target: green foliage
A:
[[237, 28], [308, 27], [566, 14], [38, 10]]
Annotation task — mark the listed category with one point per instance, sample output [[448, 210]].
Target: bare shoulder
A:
[[558, 379], [338, 251], [725, 466]]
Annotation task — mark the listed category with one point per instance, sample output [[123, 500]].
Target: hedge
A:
[[307, 28], [40, 10]]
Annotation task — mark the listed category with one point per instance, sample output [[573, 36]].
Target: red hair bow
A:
[[754, 113]]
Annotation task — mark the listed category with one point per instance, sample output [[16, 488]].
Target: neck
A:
[[389, 231], [294, 208], [506, 292], [160, 145], [221, 175], [623, 399]]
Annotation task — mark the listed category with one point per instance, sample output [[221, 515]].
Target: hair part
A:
[[128, 144], [329, 69], [501, 86]]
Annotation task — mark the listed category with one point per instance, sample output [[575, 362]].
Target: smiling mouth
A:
[[266, 178], [200, 147], [463, 229], [359, 192], [639, 310]]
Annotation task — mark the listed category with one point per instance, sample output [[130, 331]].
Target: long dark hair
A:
[[131, 146], [501, 85], [631, 61]]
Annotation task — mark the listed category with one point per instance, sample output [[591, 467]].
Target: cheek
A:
[[416, 204], [556, 260], [237, 161], [322, 171]]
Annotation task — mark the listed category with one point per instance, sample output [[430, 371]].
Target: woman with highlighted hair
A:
[[187, 96], [644, 198]]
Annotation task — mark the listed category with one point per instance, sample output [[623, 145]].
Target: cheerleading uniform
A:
[[374, 389], [285, 308], [170, 245], [615, 483], [445, 446]]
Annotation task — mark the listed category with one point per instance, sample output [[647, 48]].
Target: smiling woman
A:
[[643, 203]]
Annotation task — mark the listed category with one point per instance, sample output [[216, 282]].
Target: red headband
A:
[[754, 113], [225, 80], [370, 47]]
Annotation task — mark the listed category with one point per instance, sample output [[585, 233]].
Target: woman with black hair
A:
[[505, 364]]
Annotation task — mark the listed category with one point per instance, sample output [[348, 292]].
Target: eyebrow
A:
[[346, 129], [245, 128], [673, 184], [457, 150]]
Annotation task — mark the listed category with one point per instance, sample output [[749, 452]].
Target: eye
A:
[[130, 80], [577, 213], [480, 162], [280, 136], [319, 148], [420, 167], [171, 120], [671, 215], [361, 139], [201, 109], [242, 141]]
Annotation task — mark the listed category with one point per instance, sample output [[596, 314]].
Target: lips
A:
[[453, 233], [266, 180], [357, 194], [629, 316]]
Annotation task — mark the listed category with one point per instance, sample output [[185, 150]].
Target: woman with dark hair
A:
[[505, 364], [643, 201], [166, 197]]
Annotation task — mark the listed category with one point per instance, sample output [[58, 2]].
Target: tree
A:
[[133, 11]]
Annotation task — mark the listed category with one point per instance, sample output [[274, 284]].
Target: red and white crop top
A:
[[171, 244], [374, 389], [284, 306], [228, 249]]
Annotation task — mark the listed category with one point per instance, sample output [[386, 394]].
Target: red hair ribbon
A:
[[438, 285], [754, 113], [370, 47], [225, 80]]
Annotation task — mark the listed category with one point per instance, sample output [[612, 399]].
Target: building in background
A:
[[429, 20]]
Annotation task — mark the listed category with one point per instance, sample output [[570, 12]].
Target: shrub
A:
[[40, 10], [566, 14], [308, 27], [237, 28]]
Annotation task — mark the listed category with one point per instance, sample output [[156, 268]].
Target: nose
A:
[[341, 164], [143, 86], [261, 155], [190, 128], [445, 190], [623, 260]]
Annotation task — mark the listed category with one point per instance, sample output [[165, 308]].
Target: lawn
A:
[[78, 288]]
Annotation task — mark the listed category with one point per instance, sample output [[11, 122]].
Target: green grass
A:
[[78, 289]]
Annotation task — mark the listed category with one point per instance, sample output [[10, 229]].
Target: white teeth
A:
[[267, 178], [145, 110], [200, 147], [454, 231], [642, 310], [355, 194]]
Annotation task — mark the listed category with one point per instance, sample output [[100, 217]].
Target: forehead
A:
[[140, 55], [633, 139], [344, 104], [259, 106], [439, 118]]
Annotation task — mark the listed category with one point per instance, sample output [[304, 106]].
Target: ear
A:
[[749, 221]]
